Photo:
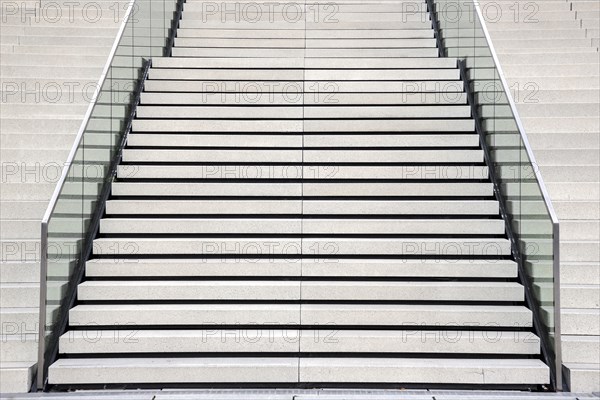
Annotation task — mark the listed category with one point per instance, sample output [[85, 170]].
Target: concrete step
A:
[[24, 295], [25, 92], [40, 109], [306, 207], [53, 141], [299, 141], [570, 173], [17, 377], [294, 74], [183, 112], [537, 43], [85, 30], [557, 140], [580, 296], [19, 295], [580, 349], [321, 172], [582, 377], [43, 60], [23, 209], [580, 230], [284, 34], [580, 273], [584, 6], [553, 83], [294, 189], [577, 209], [568, 157], [573, 191], [62, 73], [197, 370], [62, 49], [20, 321], [314, 125], [528, 34], [580, 321], [40, 191], [26, 158], [430, 51], [559, 124], [23, 272], [541, 109], [547, 59], [109, 226], [291, 341], [37, 38], [588, 23], [547, 50], [466, 247], [42, 125], [296, 290], [580, 251], [19, 348], [20, 229], [291, 314], [422, 50], [321, 63], [583, 69], [504, 24], [297, 156], [106, 267], [312, 17], [417, 23], [309, 93]]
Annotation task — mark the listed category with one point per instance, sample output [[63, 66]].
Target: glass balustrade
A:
[[462, 34], [68, 224]]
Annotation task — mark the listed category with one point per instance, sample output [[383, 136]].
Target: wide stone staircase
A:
[[303, 200], [51, 56], [550, 57]]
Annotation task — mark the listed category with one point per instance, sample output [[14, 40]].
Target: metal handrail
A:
[[57, 192], [513, 108], [545, 197]]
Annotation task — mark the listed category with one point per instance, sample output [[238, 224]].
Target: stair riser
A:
[[249, 248], [293, 341], [297, 268], [321, 291], [309, 315]]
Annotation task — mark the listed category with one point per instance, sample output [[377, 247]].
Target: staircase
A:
[[553, 67], [51, 56], [302, 201]]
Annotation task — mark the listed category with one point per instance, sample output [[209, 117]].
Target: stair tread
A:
[[294, 369], [286, 341], [328, 226], [292, 314], [304, 267], [307, 207], [296, 290]]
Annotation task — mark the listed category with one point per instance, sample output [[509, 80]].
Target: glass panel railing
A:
[[68, 227], [533, 225]]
